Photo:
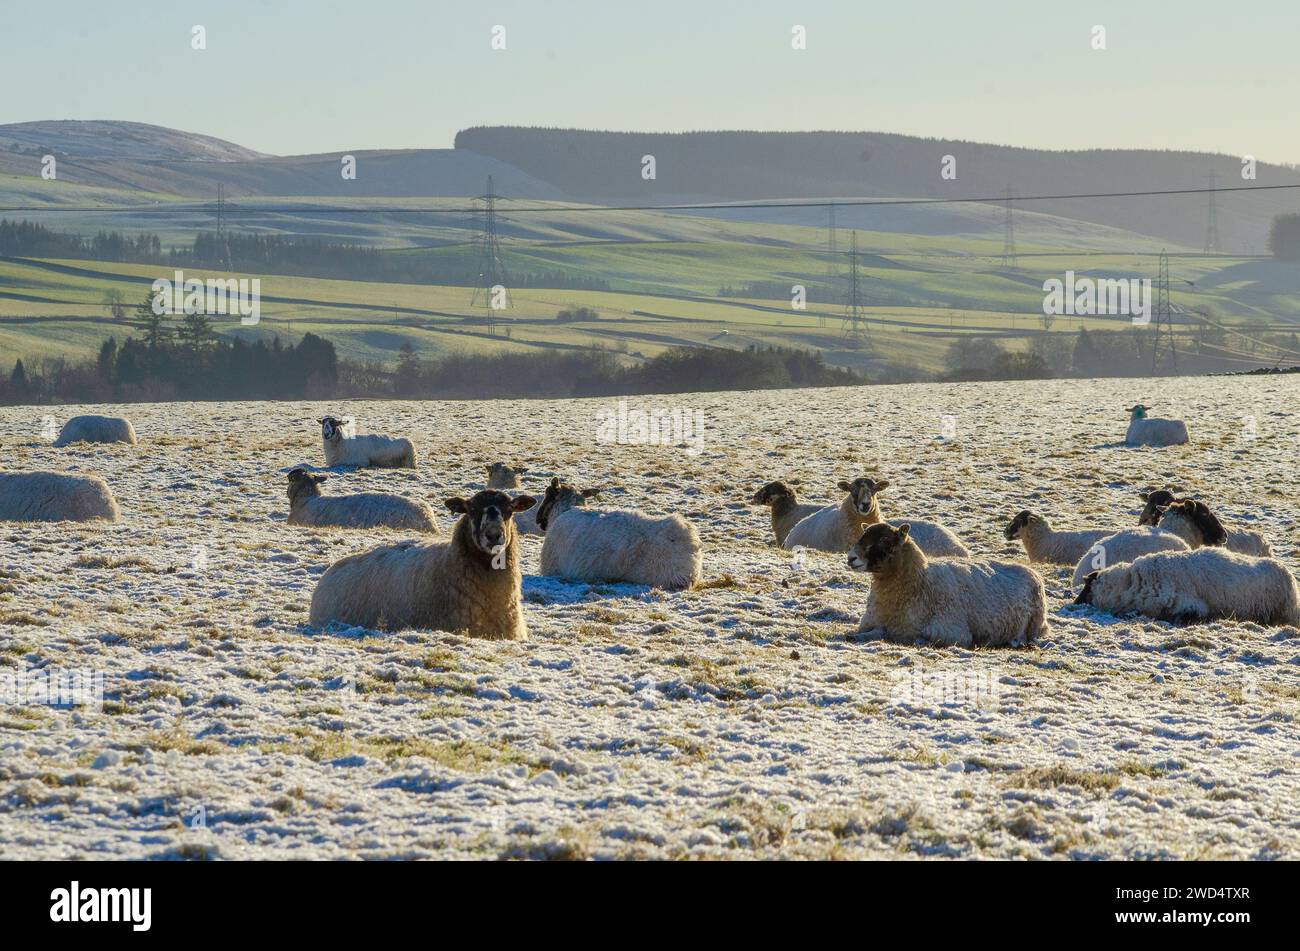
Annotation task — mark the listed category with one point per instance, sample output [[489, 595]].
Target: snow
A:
[[743, 719]]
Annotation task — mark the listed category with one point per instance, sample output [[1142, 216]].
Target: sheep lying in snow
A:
[[380, 452], [502, 476], [952, 601], [838, 527], [54, 497], [96, 429], [1196, 525], [1044, 545], [1203, 585], [469, 584], [1145, 431], [364, 510], [1123, 547], [787, 511], [596, 545]]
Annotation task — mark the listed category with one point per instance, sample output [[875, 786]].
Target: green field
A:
[[665, 272]]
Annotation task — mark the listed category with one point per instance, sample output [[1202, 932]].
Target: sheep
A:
[[836, 528], [600, 545], [1042, 544], [96, 429], [502, 476], [1123, 547], [951, 601], [365, 510], [55, 497], [470, 583], [1195, 524], [1187, 587], [380, 452], [1145, 431], [787, 511]]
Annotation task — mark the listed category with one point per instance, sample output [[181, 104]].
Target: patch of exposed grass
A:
[[1048, 777]]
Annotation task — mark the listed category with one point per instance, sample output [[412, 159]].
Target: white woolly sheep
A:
[[502, 476], [950, 601], [1146, 431], [96, 429], [787, 511], [1203, 585], [470, 584], [379, 452], [837, 527], [599, 545], [1123, 547], [1042, 544], [55, 497], [308, 507], [1195, 524]]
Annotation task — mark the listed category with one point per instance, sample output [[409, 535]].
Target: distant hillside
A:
[[137, 157], [740, 166]]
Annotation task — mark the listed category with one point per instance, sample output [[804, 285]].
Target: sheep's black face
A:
[[1085, 596], [489, 515], [772, 493], [877, 545], [331, 428], [559, 498], [1199, 516], [864, 492], [1018, 523], [1156, 503]]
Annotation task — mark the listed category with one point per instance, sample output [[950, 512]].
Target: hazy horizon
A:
[[295, 79]]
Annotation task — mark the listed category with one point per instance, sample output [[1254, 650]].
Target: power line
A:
[[583, 209], [1212, 245]]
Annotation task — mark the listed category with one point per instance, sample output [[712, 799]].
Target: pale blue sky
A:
[[324, 75]]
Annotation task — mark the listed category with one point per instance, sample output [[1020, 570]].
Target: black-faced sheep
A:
[[951, 601], [470, 583], [838, 527], [1202, 585], [1146, 431], [787, 510], [502, 476], [96, 429], [55, 497], [596, 545], [1195, 524], [379, 452], [1042, 544], [308, 507]]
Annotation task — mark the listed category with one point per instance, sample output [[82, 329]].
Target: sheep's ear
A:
[[880, 486], [904, 529], [1145, 496], [319, 478], [590, 493], [456, 504], [521, 471], [555, 483], [844, 486], [296, 473], [523, 503]]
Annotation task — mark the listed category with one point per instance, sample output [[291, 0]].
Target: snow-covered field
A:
[[743, 719]]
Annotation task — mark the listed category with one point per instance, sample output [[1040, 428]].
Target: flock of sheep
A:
[[1178, 564]]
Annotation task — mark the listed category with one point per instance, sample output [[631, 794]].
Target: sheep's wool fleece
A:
[[1156, 432], [958, 602], [446, 587], [363, 510], [96, 429], [1123, 547], [55, 497], [595, 545], [1204, 584]]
